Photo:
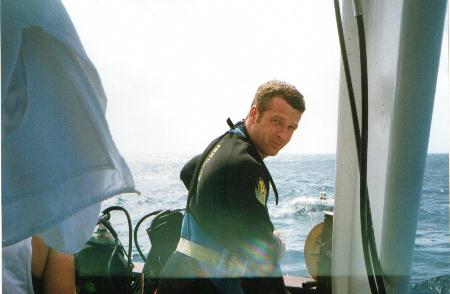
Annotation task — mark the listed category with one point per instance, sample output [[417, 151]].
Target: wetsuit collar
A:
[[240, 127]]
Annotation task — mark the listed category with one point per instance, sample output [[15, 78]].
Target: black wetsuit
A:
[[228, 189]]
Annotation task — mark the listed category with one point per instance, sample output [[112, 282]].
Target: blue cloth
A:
[[58, 156], [191, 230], [16, 268], [238, 130]]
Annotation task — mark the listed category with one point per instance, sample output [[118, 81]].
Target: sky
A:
[[174, 71]]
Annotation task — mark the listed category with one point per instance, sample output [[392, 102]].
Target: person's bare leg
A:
[[56, 269]]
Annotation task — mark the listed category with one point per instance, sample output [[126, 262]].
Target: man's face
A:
[[272, 129]]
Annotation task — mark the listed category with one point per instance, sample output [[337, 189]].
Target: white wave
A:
[[309, 203]]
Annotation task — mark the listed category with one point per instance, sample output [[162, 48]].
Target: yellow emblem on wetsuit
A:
[[261, 191]]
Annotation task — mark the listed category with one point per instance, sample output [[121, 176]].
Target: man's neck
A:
[[246, 128]]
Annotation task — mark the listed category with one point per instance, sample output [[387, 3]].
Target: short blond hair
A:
[[276, 88]]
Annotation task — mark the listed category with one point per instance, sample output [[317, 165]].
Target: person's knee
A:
[[55, 269], [39, 253]]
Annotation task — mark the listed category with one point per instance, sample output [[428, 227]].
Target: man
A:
[[227, 242]]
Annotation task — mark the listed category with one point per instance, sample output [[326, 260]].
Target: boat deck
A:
[[293, 283]]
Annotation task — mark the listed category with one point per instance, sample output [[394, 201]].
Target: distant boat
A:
[[306, 204]]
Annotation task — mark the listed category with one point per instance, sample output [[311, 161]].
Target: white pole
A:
[[417, 67]]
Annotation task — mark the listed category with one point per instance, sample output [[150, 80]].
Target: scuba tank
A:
[[103, 266], [164, 233], [100, 266]]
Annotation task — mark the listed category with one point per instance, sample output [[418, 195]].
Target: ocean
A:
[[300, 179]]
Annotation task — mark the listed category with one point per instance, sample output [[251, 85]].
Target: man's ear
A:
[[252, 114]]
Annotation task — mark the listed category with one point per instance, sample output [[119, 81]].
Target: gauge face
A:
[[312, 250], [316, 251]]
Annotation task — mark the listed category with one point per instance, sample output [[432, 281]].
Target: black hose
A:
[[377, 271], [138, 248], [348, 78], [130, 244], [136, 228], [116, 247], [373, 266], [366, 230]]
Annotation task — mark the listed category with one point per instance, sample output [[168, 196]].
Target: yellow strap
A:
[[227, 262], [198, 252]]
